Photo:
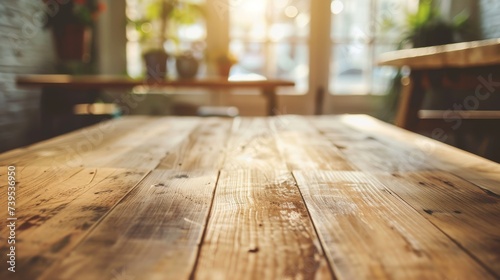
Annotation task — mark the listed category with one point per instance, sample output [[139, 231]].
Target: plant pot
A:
[[73, 42], [187, 66], [156, 65], [224, 69]]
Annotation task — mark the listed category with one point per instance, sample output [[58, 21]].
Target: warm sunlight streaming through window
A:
[[360, 31], [185, 29], [270, 38]]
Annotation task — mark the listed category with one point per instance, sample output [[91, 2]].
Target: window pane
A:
[[248, 20], [382, 75], [351, 19], [292, 63], [361, 31], [185, 31], [251, 57], [350, 69], [269, 38], [391, 17]]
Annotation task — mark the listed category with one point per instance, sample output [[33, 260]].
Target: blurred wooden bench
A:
[[61, 94], [267, 87]]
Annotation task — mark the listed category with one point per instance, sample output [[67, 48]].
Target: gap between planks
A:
[[198, 142], [154, 231], [370, 155], [368, 232], [53, 220], [259, 228], [484, 173]]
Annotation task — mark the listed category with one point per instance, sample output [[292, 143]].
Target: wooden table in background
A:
[[456, 66], [98, 82], [283, 197]]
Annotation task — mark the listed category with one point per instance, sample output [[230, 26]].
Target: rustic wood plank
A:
[[475, 229], [55, 209], [148, 151], [152, 234], [424, 151], [259, 228], [370, 233], [464, 212], [406, 220], [43, 153], [133, 142], [252, 145], [303, 147], [366, 152], [203, 148]]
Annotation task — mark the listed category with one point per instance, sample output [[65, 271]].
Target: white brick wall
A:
[[25, 48]]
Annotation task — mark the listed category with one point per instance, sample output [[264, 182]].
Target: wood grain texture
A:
[[370, 233], [365, 151], [259, 228], [470, 214], [137, 142], [213, 198], [55, 209], [303, 147], [151, 234], [252, 145], [57, 151], [465, 213], [430, 154], [203, 148]]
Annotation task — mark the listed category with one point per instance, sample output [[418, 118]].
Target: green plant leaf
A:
[[460, 20]]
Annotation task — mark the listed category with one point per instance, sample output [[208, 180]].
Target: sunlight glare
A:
[[291, 11], [337, 7]]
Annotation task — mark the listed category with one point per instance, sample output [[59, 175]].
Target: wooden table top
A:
[[283, 197], [104, 81], [459, 55]]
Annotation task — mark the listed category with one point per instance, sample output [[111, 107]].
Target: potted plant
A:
[[158, 25], [71, 23], [224, 63], [427, 27], [186, 65]]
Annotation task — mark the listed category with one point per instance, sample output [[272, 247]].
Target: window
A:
[[270, 38], [185, 30], [360, 31]]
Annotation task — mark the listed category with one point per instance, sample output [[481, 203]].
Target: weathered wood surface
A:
[[153, 233], [304, 148], [55, 209], [465, 213], [428, 153], [370, 233], [138, 143], [287, 197], [203, 148], [252, 145], [259, 228]]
